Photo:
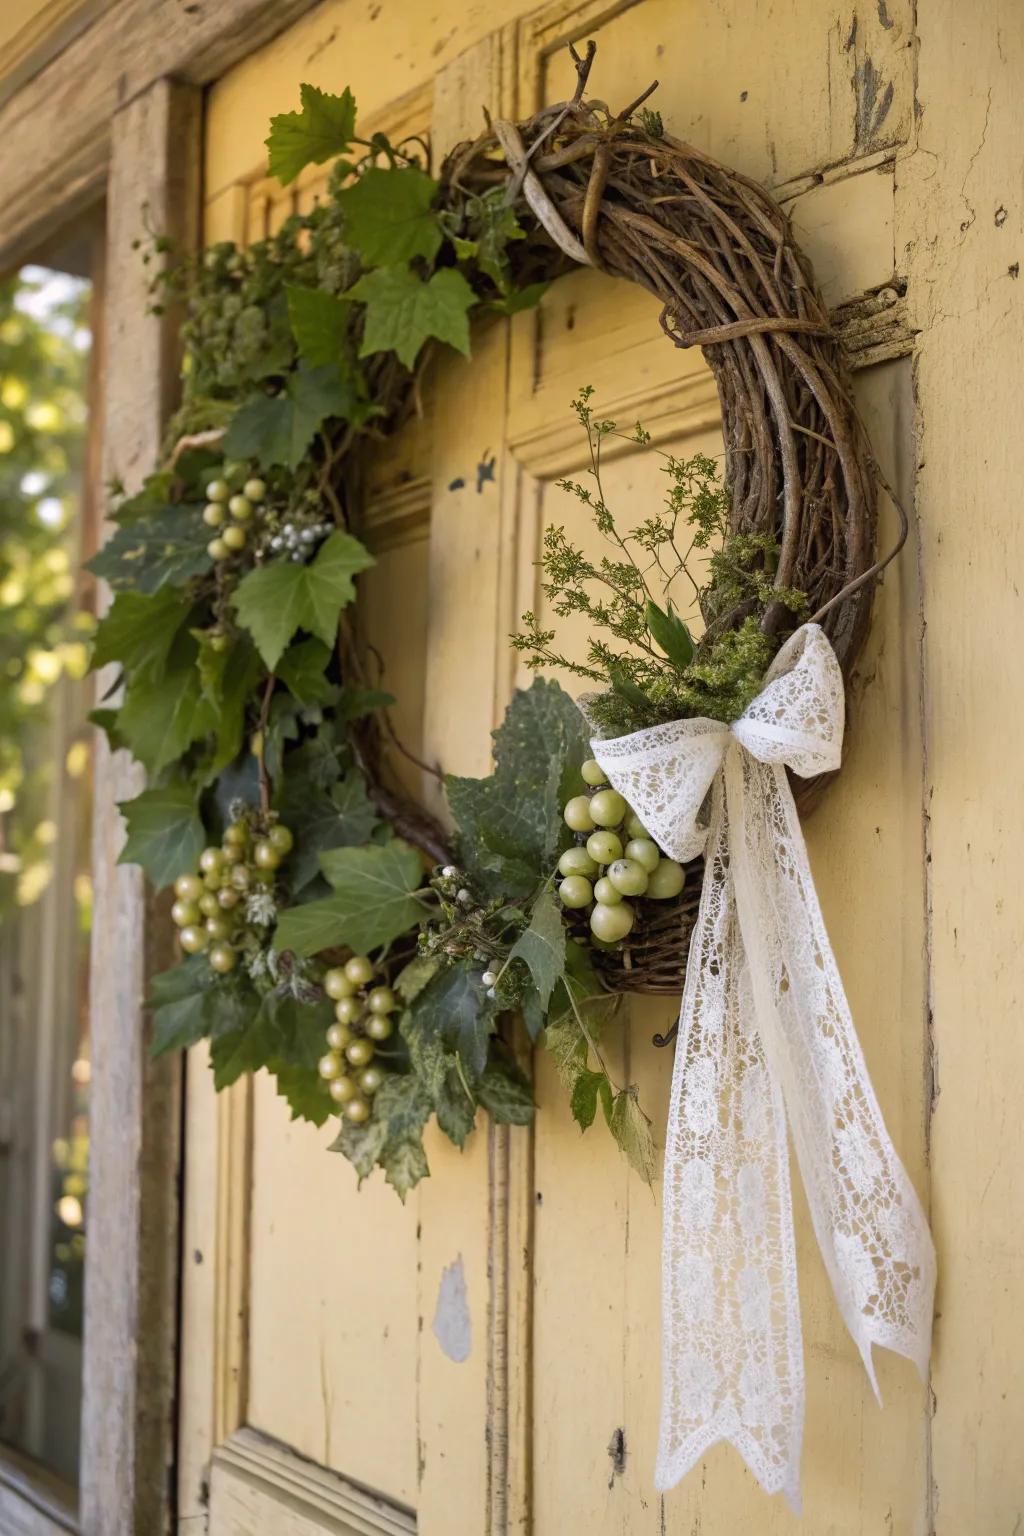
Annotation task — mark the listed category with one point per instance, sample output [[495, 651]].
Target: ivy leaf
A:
[[275, 600], [505, 1094], [303, 669], [588, 1087], [455, 1009], [393, 1136], [413, 977], [277, 429], [324, 128], [361, 1144], [405, 1164], [138, 631], [632, 1130], [160, 547], [373, 901], [389, 216], [403, 311], [178, 1002], [341, 817], [160, 723], [319, 322], [455, 1110], [496, 227], [165, 834], [670, 634], [542, 946], [305, 1093]]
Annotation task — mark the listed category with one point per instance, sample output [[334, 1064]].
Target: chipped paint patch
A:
[[452, 1326]]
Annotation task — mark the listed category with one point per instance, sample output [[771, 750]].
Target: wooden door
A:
[[486, 1358]]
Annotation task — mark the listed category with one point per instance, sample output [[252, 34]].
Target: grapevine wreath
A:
[[331, 930]]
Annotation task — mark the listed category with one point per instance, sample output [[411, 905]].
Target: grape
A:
[[266, 855], [254, 489], [233, 854], [280, 837], [240, 508], [357, 1110], [359, 970], [644, 851], [606, 893], [228, 897], [209, 906], [237, 834], [371, 1079], [666, 881], [222, 957], [628, 876], [607, 808], [217, 549], [347, 1010], [188, 887], [379, 1026], [382, 1000], [577, 814], [185, 914], [577, 861], [575, 891], [342, 1089], [611, 923], [359, 1052], [213, 514], [337, 984], [233, 538], [241, 877], [634, 826], [192, 940], [211, 860], [593, 773], [338, 1036], [604, 847], [330, 1066], [218, 490]]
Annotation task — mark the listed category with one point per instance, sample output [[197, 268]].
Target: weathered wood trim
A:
[[258, 1487], [59, 122], [132, 1274], [32, 1501]]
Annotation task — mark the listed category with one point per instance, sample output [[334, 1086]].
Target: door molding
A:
[[253, 1478]]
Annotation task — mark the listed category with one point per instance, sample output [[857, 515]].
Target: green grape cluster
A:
[[234, 510], [615, 858], [362, 1018], [226, 908]]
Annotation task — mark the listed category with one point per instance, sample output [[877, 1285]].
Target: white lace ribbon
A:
[[765, 1039]]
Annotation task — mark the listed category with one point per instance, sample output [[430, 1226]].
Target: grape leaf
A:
[[393, 1134], [160, 723], [138, 630], [404, 1163], [585, 1092], [305, 1093], [542, 946], [373, 901], [455, 1110], [303, 669], [324, 128], [505, 1094], [362, 1144], [403, 311], [632, 1130], [276, 429], [238, 1050], [165, 546], [321, 820], [228, 686], [165, 834], [455, 1009], [389, 216], [275, 600], [178, 1002], [319, 322]]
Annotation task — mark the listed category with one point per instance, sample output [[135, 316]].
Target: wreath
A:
[[331, 931]]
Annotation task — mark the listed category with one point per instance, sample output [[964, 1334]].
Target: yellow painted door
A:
[[486, 1358]]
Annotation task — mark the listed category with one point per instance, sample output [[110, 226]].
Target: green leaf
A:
[[403, 311], [455, 1110], [324, 128], [373, 901], [542, 946], [388, 215], [277, 429], [305, 1093], [160, 722], [455, 1009], [670, 633], [393, 1136], [165, 834], [413, 977], [319, 322], [361, 1144], [237, 1051], [583, 1101], [178, 1000], [321, 820], [505, 1094], [276, 600], [138, 630], [303, 669], [405, 1164], [519, 299], [227, 680], [496, 227], [632, 1130], [160, 547]]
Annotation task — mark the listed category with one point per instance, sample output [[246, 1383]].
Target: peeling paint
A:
[[451, 1325], [873, 103]]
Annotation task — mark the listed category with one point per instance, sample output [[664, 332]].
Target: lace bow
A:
[[765, 1039]]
